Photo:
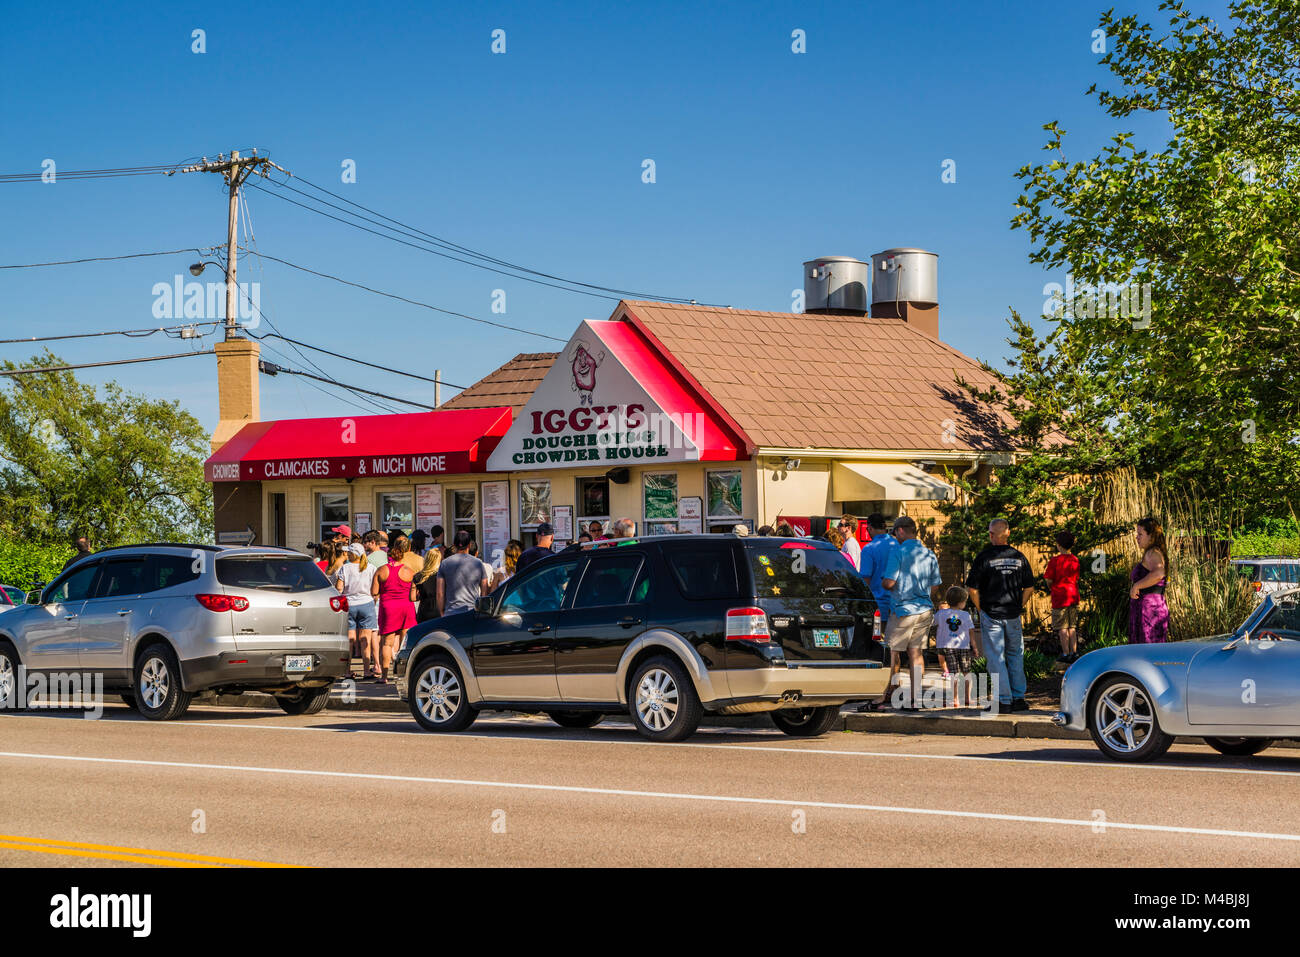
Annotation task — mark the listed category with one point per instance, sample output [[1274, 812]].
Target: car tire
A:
[[129, 700], [157, 684], [306, 701], [1242, 747], [576, 719], [9, 690], [662, 700], [806, 722], [1123, 722], [439, 701]]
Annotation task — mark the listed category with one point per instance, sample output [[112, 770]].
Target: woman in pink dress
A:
[[1148, 615], [393, 589]]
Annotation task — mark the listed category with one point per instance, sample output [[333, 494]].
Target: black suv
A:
[[664, 628]]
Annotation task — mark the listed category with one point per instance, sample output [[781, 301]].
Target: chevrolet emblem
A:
[[295, 604]]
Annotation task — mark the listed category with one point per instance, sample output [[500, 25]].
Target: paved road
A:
[[372, 790]]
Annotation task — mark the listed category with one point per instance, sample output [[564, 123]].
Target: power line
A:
[[301, 355], [340, 397], [360, 362], [425, 248], [448, 244], [113, 362], [161, 169], [100, 259], [270, 368], [413, 302], [133, 333]]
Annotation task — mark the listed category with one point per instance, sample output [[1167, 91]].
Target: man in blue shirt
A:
[[911, 575], [871, 563]]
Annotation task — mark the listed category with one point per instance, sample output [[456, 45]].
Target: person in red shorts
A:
[[1062, 574]]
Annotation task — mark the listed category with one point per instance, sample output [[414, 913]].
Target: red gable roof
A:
[[417, 443]]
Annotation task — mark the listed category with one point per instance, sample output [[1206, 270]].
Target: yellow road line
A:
[[173, 858], [68, 852]]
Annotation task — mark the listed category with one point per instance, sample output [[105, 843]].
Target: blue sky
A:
[[764, 158]]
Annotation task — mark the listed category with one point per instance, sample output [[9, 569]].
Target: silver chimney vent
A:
[[836, 286]]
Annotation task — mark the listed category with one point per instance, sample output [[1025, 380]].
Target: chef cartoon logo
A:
[[583, 364]]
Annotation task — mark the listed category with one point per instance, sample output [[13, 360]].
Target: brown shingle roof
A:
[[773, 373], [513, 384]]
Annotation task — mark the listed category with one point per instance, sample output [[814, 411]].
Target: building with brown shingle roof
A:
[[681, 417]]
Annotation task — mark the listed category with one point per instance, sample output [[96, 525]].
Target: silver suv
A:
[[1269, 574], [162, 623]]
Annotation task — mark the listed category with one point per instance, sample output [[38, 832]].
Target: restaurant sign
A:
[[355, 466], [591, 409]]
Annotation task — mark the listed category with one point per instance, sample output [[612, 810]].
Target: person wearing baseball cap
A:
[[344, 530], [545, 536]]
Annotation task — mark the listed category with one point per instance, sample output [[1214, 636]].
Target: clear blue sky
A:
[[764, 158]]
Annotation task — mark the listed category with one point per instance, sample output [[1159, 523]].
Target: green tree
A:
[[1199, 385], [116, 466]]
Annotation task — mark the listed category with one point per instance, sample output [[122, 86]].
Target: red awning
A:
[[448, 441]]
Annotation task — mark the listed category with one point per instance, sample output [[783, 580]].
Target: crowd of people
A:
[[393, 581]]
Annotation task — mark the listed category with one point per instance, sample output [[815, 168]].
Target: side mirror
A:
[[34, 597], [483, 605]]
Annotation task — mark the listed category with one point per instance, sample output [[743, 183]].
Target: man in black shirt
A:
[[83, 551], [545, 536], [1000, 583]]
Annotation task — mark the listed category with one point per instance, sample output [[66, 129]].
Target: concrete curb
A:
[[1002, 726]]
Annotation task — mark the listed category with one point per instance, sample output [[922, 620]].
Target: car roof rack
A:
[[118, 548]]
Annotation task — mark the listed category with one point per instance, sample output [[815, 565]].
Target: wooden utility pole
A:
[[235, 170]]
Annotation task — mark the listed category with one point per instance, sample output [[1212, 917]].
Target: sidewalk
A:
[[372, 697]]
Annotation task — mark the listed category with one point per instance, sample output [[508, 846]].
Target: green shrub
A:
[[22, 563]]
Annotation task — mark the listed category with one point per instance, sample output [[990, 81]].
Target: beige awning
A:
[[884, 481]]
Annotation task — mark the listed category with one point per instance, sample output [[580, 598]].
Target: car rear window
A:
[[791, 571], [703, 570], [271, 572]]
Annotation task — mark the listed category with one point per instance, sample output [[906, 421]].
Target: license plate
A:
[[826, 638], [298, 663]]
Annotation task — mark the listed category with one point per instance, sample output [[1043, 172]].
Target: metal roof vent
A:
[[836, 286]]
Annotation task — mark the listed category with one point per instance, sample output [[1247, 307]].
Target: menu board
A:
[[495, 497], [690, 514], [428, 506], [562, 520]]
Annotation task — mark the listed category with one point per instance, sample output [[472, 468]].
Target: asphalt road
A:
[[234, 786]]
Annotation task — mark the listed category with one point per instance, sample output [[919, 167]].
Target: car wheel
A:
[[158, 692], [306, 701], [664, 705], [1239, 746], [10, 693], [1123, 723], [438, 698], [806, 722], [576, 719]]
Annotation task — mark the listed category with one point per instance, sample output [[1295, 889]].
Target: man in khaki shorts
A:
[[912, 577]]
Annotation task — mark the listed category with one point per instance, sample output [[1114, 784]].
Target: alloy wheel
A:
[[1124, 717], [7, 679], [656, 699], [155, 683], [438, 693]]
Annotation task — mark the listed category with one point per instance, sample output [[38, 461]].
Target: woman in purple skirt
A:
[[1148, 615]]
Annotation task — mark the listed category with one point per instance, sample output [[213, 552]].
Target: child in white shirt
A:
[[953, 629]]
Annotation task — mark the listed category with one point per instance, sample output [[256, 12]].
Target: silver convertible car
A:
[[1239, 692]]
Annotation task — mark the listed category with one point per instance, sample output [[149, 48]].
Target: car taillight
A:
[[339, 603], [223, 602], [747, 624]]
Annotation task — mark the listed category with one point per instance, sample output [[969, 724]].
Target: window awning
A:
[[447, 441], [885, 481]]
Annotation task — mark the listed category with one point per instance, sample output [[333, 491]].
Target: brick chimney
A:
[[238, 396]]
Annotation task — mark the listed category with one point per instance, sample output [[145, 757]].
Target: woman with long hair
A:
[[335, 561], [1148, 615], [508, 562], [392, 588], [353, 582], [426, 586]]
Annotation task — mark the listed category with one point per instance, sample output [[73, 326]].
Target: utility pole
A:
[[235, 170]]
